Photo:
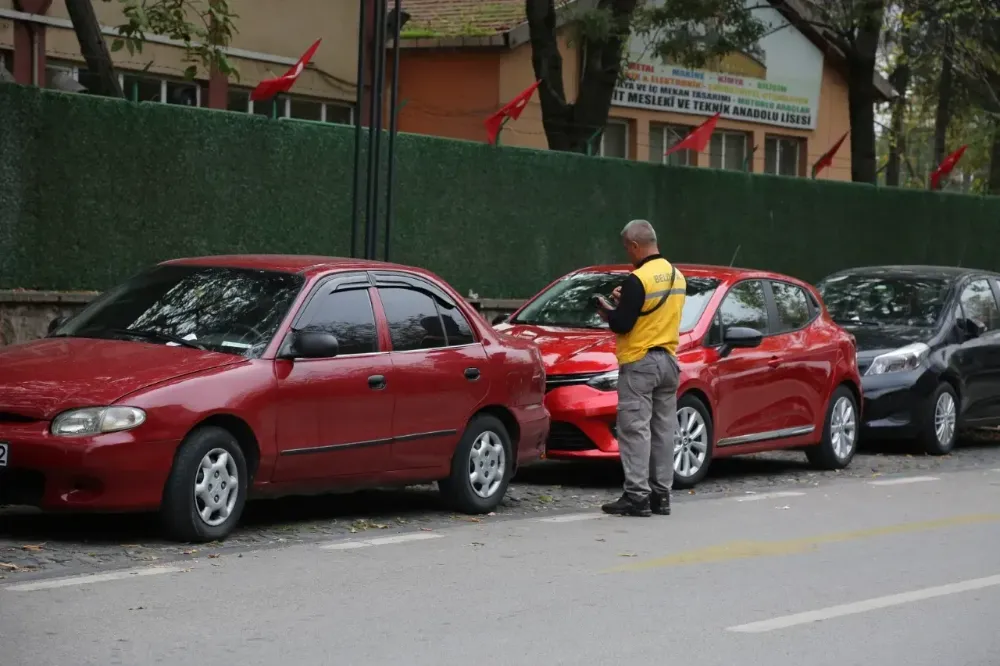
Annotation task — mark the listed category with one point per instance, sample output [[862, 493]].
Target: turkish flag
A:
[[268, 88], [697, 138], [827, 158], [511, 109], [946, 167]]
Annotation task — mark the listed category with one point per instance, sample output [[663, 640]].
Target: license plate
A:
[[3, 454]]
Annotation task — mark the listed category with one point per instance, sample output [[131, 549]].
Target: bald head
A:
[[639, 239]]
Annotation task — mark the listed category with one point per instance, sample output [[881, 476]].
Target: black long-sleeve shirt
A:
[[633, 297]]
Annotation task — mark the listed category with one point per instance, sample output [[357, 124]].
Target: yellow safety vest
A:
[[659, 322]]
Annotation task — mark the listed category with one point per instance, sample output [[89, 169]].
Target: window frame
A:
[[690, 156], [388, 323], [628, 138], [400, 279], [717, 315], [285, 108], [993, 291], [770, 297], [778, 138], [722, 158], [327, 286]]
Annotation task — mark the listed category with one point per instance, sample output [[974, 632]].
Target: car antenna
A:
[[733, 260]]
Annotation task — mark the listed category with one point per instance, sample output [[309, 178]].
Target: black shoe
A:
[[660, 504], [626, 506]]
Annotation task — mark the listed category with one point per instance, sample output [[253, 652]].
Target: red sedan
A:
[[201, 381], [763, 367]]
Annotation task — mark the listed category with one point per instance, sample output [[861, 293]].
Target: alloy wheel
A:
[[216, 487], [843, 428], [945, 417], [487, 464], [690, 442]]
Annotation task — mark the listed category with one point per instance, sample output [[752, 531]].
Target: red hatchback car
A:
[[200, 381], [763, 367]]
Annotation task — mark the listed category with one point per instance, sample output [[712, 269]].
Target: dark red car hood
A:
[[568, 351], [42, 378]]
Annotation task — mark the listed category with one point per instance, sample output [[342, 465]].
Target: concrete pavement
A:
[[889, 571]]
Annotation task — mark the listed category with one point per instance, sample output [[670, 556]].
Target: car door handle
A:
[[472, 374], [376, 382], [774, 361]]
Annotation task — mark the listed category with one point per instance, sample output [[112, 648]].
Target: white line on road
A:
[[570, 518], [381, 541], [86, 579], [765, 496], [899, 482], [865, 606]]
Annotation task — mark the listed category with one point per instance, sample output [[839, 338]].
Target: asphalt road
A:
[[33, 545], [857, 571]]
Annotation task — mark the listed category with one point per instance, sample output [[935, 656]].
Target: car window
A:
[[414, 321], [456, 326], [979, 303], [885, 298], [348, 315], [744, 305], [792, 306]]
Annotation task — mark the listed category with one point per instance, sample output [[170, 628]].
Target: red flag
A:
[[946, 167], [511, 109], [827, 158], [268, 88], [697, 138]]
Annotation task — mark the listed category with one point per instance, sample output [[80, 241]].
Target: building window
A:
[[286, 106], [728, 150], [664, 137], [183, 93], [782, 155], [7, 60], [614, 140]]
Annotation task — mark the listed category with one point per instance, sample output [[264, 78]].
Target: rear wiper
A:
[[859, 322], [157, 335]]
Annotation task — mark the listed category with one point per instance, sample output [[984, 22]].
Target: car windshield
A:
[[231, 310], [569, 302], [885, 300]]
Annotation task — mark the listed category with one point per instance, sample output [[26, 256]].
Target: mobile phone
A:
[[602, 302]]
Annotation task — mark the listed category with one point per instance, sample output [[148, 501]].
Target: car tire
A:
[[939, 424], [481, 468], [841, 429], [189, 493], [692, 414]]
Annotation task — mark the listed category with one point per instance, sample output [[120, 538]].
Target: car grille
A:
[[559, 381], [567, 437], [10, 417]]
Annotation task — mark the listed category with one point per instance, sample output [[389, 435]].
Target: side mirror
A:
[[499, 319], [739, 337], [311, 344], [57, 323], [970, 328]]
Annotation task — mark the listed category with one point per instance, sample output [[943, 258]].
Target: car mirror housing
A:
[[499, 319], [970, 328], [739, 337], [311, 344], [56, 324]]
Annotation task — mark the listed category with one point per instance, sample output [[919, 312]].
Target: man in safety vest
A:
[[646, 320]]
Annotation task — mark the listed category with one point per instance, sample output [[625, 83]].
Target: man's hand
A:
[[617, 293]]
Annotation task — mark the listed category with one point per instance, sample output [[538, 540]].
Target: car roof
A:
[[899, 270], [724, 273], [307, 265]]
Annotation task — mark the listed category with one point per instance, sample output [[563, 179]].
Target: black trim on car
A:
[[371, 442]]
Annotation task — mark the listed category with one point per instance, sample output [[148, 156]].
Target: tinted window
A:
[[903, 299], [456, 326], [979, 303], [413, 317], [792, 305], [348, 315], [744, 305], [569, 302], [230, 310]]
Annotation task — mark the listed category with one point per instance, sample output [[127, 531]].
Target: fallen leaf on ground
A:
[[189, 552], [627, 555], [9, 567], [600, 539], [213, 556], [33, 547], [426, 529], [545, 498], [478, 543]]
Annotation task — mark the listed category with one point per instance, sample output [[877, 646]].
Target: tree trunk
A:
[[945, 90], [574, 126], [900, 80], [93, 46], [861, 91]]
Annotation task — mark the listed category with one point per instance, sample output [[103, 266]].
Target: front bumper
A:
[[111, 472], [583, 423], [895, 404]]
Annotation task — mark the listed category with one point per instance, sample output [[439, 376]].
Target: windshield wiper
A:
[[859, 322], [157, 335]]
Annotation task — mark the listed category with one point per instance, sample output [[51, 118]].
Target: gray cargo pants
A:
[[647, 417]]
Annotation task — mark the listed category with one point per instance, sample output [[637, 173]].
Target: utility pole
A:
[[375, 130], [396, 20]]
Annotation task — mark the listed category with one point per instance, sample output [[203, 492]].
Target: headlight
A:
[[605, 382], [903, 359], [96, 420]]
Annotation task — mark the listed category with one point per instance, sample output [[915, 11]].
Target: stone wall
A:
[[25, 315]]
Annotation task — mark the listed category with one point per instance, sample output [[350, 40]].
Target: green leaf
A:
[[191, 72], [117, 45]]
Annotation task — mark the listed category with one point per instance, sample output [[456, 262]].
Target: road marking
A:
[[764, 496], [570, 518], [87, 579], [741, 550], [899, 482], [381, 541], [865, 606]]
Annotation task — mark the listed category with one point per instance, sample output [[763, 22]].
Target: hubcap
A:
[[216, 487], [944, 418], [843, 428], [690, 442], [487, 464]]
